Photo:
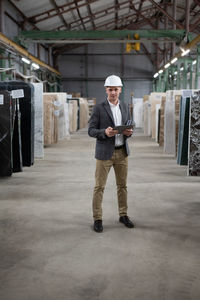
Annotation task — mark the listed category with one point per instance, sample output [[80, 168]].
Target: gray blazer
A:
[[100, 119]]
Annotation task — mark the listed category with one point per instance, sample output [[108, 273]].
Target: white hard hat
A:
[[113, 80]]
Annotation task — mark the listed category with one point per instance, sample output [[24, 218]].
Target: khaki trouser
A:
[[119, 161]]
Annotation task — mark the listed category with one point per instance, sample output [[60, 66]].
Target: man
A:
[[111, 149]]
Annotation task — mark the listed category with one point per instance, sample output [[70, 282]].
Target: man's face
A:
[[113, 93]]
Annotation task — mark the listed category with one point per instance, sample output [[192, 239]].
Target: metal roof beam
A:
[[187, 18], [167, 15], [194, 26], [111, 10], [116, 13], [94, 41], [139, 14], [197, 2], [23, 16], [90, 15], [139, 9], [61, 10], [53, 2], [101, 13], [100, 34], [79, 14], [148, 54]]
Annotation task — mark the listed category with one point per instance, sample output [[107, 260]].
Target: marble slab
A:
[[147, 118], [169, 126], [161, 131], [177, 114], [155, 98], [194, 136], [145, 98], [38, 124], [83, 113], [49, 122], [73, 115], [157, 121], [66, 120], [138, 112], [56, 117]]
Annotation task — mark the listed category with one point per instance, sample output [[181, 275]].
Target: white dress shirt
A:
[[117, 116]]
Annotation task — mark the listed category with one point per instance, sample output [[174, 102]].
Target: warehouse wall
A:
[[84, 70], [11, 21]]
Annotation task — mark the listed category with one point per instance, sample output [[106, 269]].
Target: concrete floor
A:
[[48, 250]]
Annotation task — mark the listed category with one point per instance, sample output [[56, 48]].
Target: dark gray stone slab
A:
[[182, 154], [194, 137]]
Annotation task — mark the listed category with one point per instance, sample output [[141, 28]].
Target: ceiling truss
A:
[[118, 15]]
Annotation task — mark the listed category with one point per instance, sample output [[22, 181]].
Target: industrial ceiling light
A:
[[155, 75], [160, 72], [185, 52], [27, 61], [194, 62], [175, 73], [181, 69], [174, 60], [35, 66], [167, 65]]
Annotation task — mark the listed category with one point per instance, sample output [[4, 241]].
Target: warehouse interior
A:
[[54, 58]]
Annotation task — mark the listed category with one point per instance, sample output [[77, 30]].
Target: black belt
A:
[[119, 147]]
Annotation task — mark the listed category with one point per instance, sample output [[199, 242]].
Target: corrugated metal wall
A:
[[12, 30], [84, 70]]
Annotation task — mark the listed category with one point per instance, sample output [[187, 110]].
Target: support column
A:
[[187, 17], [185, 75], [122, 70], [49, 55], [86, 70], [191, 69], [178, 78], [10, 76], [174, 26], [197, 75], [165, 44], [2, 17], [159, 83], [2, 64], [38, 51]]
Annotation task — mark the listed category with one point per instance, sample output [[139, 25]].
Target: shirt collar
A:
[[113, 105]]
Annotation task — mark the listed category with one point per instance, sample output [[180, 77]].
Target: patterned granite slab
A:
[[161, 131], [39, 131], [194, 137]]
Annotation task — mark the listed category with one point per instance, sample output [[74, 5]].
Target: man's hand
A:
[[128, 132], [110, 132]]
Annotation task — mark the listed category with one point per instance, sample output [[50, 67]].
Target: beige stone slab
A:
[[83, 112], [56, 119], [155, 98], [73, 115]]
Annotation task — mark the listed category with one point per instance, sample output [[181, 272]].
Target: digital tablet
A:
[[121, 128]]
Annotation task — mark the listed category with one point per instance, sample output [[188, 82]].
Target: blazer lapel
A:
[[122, 111], [108, 109]]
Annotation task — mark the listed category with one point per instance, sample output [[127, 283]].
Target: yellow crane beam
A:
[[20, 50]]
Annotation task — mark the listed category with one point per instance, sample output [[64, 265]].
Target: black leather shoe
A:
[[126, 221], [98, 227]]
